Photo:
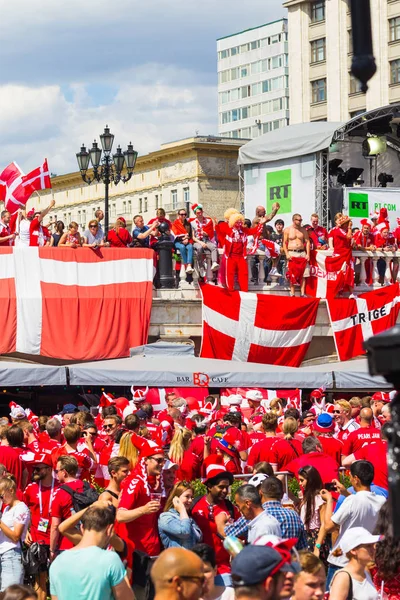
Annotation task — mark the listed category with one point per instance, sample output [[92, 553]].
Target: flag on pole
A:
[[13, 192], [247, 327], [354, 321], [39, 178], [328, 273]]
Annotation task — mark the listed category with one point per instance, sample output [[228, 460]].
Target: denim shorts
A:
[[11, 569]]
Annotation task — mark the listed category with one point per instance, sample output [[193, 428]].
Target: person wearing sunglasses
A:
[[141, 499], [178, 574], [141, 233], [93, 237], [182, 230], [342, 416], [296, 244]]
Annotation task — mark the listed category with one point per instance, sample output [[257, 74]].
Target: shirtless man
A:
[[296, 244], [119, 469]]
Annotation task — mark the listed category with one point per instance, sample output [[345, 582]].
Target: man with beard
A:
[[38, 496]]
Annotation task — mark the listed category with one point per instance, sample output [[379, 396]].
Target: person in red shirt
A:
[[363, 436], [119, 236], [272, 449], [161, 218], [141, 500], [378, 401], [376, 453], [86, 458], [314, 456], [7, 238], [38, 496], [385, 241], [344, 422], [212, 512], [62, 505], [36, 233], [340, 241], [52, 440], [11, 455], [111, 430], [318, 234], [324, 428], [181, 454]]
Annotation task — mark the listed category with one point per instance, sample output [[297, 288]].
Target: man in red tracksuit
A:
[[235, 246]]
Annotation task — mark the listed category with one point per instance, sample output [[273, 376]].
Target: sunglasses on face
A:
[[182, 214], [85, 433], [93, 226], [109, 426], [336, 412], [160, 461]]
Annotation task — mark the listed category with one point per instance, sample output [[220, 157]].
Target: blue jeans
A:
[[186, 252], [331, 571], [11, 569]]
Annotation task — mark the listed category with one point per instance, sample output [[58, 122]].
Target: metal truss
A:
[[392, 110], [241, 188], [321, 186]]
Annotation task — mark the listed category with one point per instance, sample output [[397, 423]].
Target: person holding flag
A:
[[37, 233]]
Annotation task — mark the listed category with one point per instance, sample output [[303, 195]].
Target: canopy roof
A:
[[288, 142], [13, 373], [171, 371]]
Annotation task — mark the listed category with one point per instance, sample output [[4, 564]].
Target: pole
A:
[[106, 184]]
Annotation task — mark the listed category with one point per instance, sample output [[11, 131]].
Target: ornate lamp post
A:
[[107, 167], [363, 65]]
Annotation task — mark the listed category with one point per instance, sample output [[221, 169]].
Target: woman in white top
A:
[[13, 527], [312, 511], [354, 581]]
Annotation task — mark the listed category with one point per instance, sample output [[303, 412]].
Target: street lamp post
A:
[[107, 167]]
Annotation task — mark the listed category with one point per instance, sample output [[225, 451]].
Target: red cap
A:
[[381, 397], [42, 459], [150, 449], [319, 393], [31, 212], [122, 220]]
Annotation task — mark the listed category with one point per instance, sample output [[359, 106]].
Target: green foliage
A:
[[345, 479], [293, 486]]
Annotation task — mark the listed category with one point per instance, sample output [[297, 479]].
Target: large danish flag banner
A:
[[248, 327], [328, 273], [16, 188], [75, 304], [354, 321]]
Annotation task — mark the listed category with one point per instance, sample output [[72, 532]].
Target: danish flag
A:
[[329, 273], [257, 328], [354, 321], [39, 178], [75, 304], [13, 192]]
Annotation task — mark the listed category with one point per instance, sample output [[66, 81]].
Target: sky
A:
[[147, 69]]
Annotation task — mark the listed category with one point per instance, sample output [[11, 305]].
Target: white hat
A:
[[355, 536], [257, 479], [234, 399], [254, 395], [128, 410]]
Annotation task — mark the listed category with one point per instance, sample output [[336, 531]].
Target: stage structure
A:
[[326, 167]]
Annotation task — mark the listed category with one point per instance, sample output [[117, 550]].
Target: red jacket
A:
[[227, 232]]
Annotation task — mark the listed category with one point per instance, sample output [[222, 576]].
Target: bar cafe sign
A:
[[361, 203]]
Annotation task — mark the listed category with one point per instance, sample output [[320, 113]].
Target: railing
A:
[[279, 282]]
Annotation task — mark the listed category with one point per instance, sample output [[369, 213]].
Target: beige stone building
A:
[[199, 169], [320, 54]]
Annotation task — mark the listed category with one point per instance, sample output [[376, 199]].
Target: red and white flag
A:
[[193, 396], [13, 192], [328, 273], [75, 304], [258, 328], [39, 178], [354, 321]]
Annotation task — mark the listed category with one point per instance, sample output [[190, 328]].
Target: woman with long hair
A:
[[312, 511], [340, 241], [289, 428], [175, 526], [119, 236], [387, 556], [57, 235], [13, 528], [180, 454], [72, 238], [128, 449]]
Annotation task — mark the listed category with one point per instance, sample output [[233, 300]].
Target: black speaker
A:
[[335, 203]]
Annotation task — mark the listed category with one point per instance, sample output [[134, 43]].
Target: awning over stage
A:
[[172, 371], [22, 374]]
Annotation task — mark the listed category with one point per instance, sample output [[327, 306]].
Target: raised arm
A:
[[46, 210]]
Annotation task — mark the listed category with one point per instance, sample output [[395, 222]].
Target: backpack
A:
[[83, 499], [34, 558]]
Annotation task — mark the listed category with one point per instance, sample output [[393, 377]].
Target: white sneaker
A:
[[189, 269], [215, 266], [353, 296], [274, 271], [202, 272]]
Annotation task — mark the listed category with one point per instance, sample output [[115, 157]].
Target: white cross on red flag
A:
[[258, 328], [39, 178], [329, 273], [12, 191], [354, 321]]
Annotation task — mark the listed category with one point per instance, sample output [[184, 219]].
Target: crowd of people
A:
[[236, 496], [221, 247]]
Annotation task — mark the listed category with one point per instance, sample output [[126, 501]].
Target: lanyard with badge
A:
[[43, 524]]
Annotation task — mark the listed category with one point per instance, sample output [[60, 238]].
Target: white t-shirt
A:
[[23, 238], [11, 516], [362, 590], [263, 524], [358, 510]]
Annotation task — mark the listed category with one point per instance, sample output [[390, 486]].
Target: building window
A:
[[145, 204], [394, 29], [156, 198], [186, 195], [140, 205], [124, 207], [357, 113], [84, 218], [318, 50], [174, 198], [129, 207], [395, 71], [355, 85], [350, 40], [318, 89], [318, 11]]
